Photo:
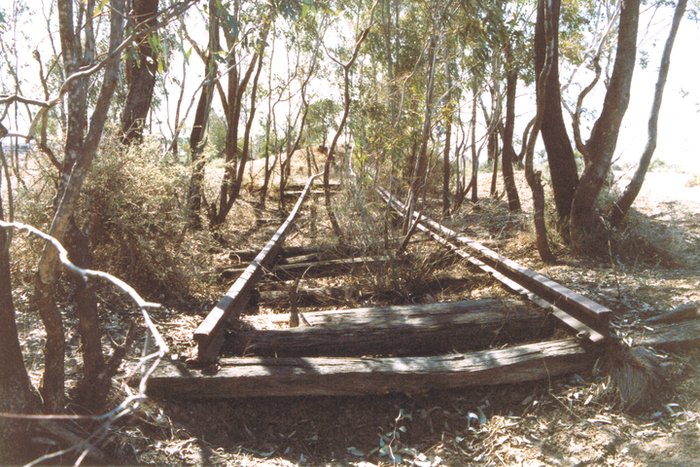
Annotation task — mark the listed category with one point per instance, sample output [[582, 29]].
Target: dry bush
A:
[[364, 230], [134, 210], [33, 198], [369, 227]]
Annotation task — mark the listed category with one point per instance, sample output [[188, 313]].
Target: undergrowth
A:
[[134, 211]]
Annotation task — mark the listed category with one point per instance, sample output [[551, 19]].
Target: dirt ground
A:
[[573, 420]]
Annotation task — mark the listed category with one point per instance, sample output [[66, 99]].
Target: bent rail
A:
[[574, 310], [209, 334]]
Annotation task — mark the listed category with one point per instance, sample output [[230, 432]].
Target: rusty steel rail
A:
[[589, 319], [209, 335]]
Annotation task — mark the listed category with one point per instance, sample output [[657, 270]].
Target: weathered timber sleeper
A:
[[325, 268], [356, 376], [353, 376], [420, 329], [285, 251]]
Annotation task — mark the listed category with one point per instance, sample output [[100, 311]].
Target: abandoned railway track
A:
[[545, 330]]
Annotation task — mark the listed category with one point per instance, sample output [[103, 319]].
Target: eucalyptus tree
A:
[[79, 49], [142, 64], [514, 39], [577, 199], [320, 118], [603, 140], [477, 37], [91, 42], [201, 117], [547, 14], [304, 33], [624, 202], [17, 395], [419, 173], [268, 146], [346, 67], [450, 106], [245, 27], [397, 49], [560, 154]]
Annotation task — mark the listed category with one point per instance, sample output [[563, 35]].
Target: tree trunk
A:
[[17, 395], [603, 140], [229, 192], [420, 168], [140, 72], [623, 204], [560, 155], [92, 389], [199, 126], [449, 115], [475, 155], [546, 20], [493, 155], [508, 150], [446, 162], [346, 110], [195, 190], [80, 147], [268, 126]]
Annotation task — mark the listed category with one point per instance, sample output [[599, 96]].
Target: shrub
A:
[[133, 207]]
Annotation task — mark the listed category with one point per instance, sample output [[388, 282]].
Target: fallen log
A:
[[398, 330], [353, 376]]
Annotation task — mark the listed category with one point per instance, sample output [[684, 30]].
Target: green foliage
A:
[[657, 165], [321, 117], [575, 19], [216, 132]]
